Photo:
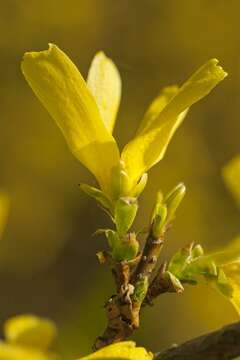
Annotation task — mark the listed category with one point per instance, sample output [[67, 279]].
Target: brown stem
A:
[[122, 311], [223, 344], [149, 257], [161, 284]]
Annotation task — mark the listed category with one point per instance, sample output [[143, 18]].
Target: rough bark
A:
[[223, 344]]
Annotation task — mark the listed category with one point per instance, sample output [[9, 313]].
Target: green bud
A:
[[138, 189], [131, 246], [121, 182], [122, 248], [178, 262], [159, 221], [158, 204], [210, 269], [140, 290], [176, 285], [98, 195], [125, 213], [113, 238], [173, 200], [197, 251]]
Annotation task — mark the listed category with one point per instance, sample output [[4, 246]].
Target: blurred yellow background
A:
[[47, 255]]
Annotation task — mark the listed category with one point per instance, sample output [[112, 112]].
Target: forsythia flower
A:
[[28, 338], [125, 350], [231, 176], [86, 113], [4, 210]]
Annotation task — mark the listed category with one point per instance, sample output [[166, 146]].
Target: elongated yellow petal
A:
[[231, 176], [29, 330], [157, 105], [230, 253], [232, 271], [60, 87], [4, 210], [149, 147], [126, 350], [105, 85], [11, 352]]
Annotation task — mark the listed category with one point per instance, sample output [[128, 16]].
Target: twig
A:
[[149, 258], [123, 308], [223, 344]]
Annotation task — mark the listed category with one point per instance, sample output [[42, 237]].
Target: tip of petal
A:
[[212, 68], [30, 55]]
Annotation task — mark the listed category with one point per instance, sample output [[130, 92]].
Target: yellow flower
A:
[[86, 113], [125, 350], [4, 210], [232, 272], [231, 176], [228, 263], [28, 337]]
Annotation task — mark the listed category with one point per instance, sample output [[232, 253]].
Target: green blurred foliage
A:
[[47, 254]]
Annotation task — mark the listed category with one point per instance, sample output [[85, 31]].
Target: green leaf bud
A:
[[159, 221], [173, 200], [175, 282], [125, 213], [120, 181], [122, 248]]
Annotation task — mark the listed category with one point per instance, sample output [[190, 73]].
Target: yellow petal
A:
[[105, 85], [4, 210], [60, 87], [28, 330], [231, 176], [228, 254], [11, 352], [126, 350], [157, 105], [149, 147], [232, 271]]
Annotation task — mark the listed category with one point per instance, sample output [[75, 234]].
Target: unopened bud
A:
[[125, 213], [138, 189], [174, 199], [121, 182]]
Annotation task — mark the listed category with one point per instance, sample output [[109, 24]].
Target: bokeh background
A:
[[47, 254]]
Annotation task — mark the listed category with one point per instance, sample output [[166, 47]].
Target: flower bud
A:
[[173, 200]]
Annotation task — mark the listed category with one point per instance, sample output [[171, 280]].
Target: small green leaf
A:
[[179, 261], [159, 216], [125, 213], [98, 195], [176, 284]]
